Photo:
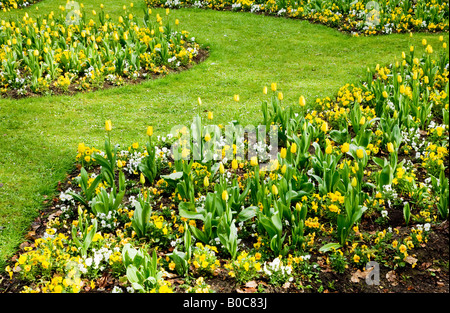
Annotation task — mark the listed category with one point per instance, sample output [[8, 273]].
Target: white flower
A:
[[88, 262], [117, 289], [384, 213], [427, 226]]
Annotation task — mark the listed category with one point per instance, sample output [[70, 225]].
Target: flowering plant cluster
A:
[[67, 51], [216, 203], [361, 17], [7, 5]]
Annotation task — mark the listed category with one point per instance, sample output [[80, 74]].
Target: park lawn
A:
[[39, 136]]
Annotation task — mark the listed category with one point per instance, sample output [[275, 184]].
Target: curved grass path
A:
[[39, 136]]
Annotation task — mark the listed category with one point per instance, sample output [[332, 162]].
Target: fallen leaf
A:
[[360, 275], [286, 285], [251, 284], [411, 260], [425, 265], [24, 244], [239, 290], [392, 278], [31, 235], [249, 290]]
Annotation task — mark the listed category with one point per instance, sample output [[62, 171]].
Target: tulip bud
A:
[[390, 147], [283, 153], [234, 164], [302, 101], [265, 90], [254, 161], [360, 153], [221, 168], [150, 131], [354, 182], [294, 148], [206, 181], [142, 179], [329, 149], [273, 86], [225, 196], [210, 115], [108, 125], [207, 137], [274, 190], [345, 147]]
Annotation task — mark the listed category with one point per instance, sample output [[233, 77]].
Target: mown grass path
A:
[[39, 136]]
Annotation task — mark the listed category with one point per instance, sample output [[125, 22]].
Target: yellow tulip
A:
[[360, 153], [142, 179], [236, 98], [274, 190], [225, 196], [210, 115], [345, 147], [221, 168], [108, 125], [302, 101], [283, 153], [273, 86], [294, 148], [329, 149], [390, 147], [207, 137], [234, 164], [280, 96], [354, 182], [254, 161], [206, 181], [150, 131], [265, 90]]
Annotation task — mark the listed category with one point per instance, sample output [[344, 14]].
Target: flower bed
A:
[[359, 181], [7, 5], [357, 17], [67, 52]]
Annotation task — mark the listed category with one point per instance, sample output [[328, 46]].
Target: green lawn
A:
[[39, 136]]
